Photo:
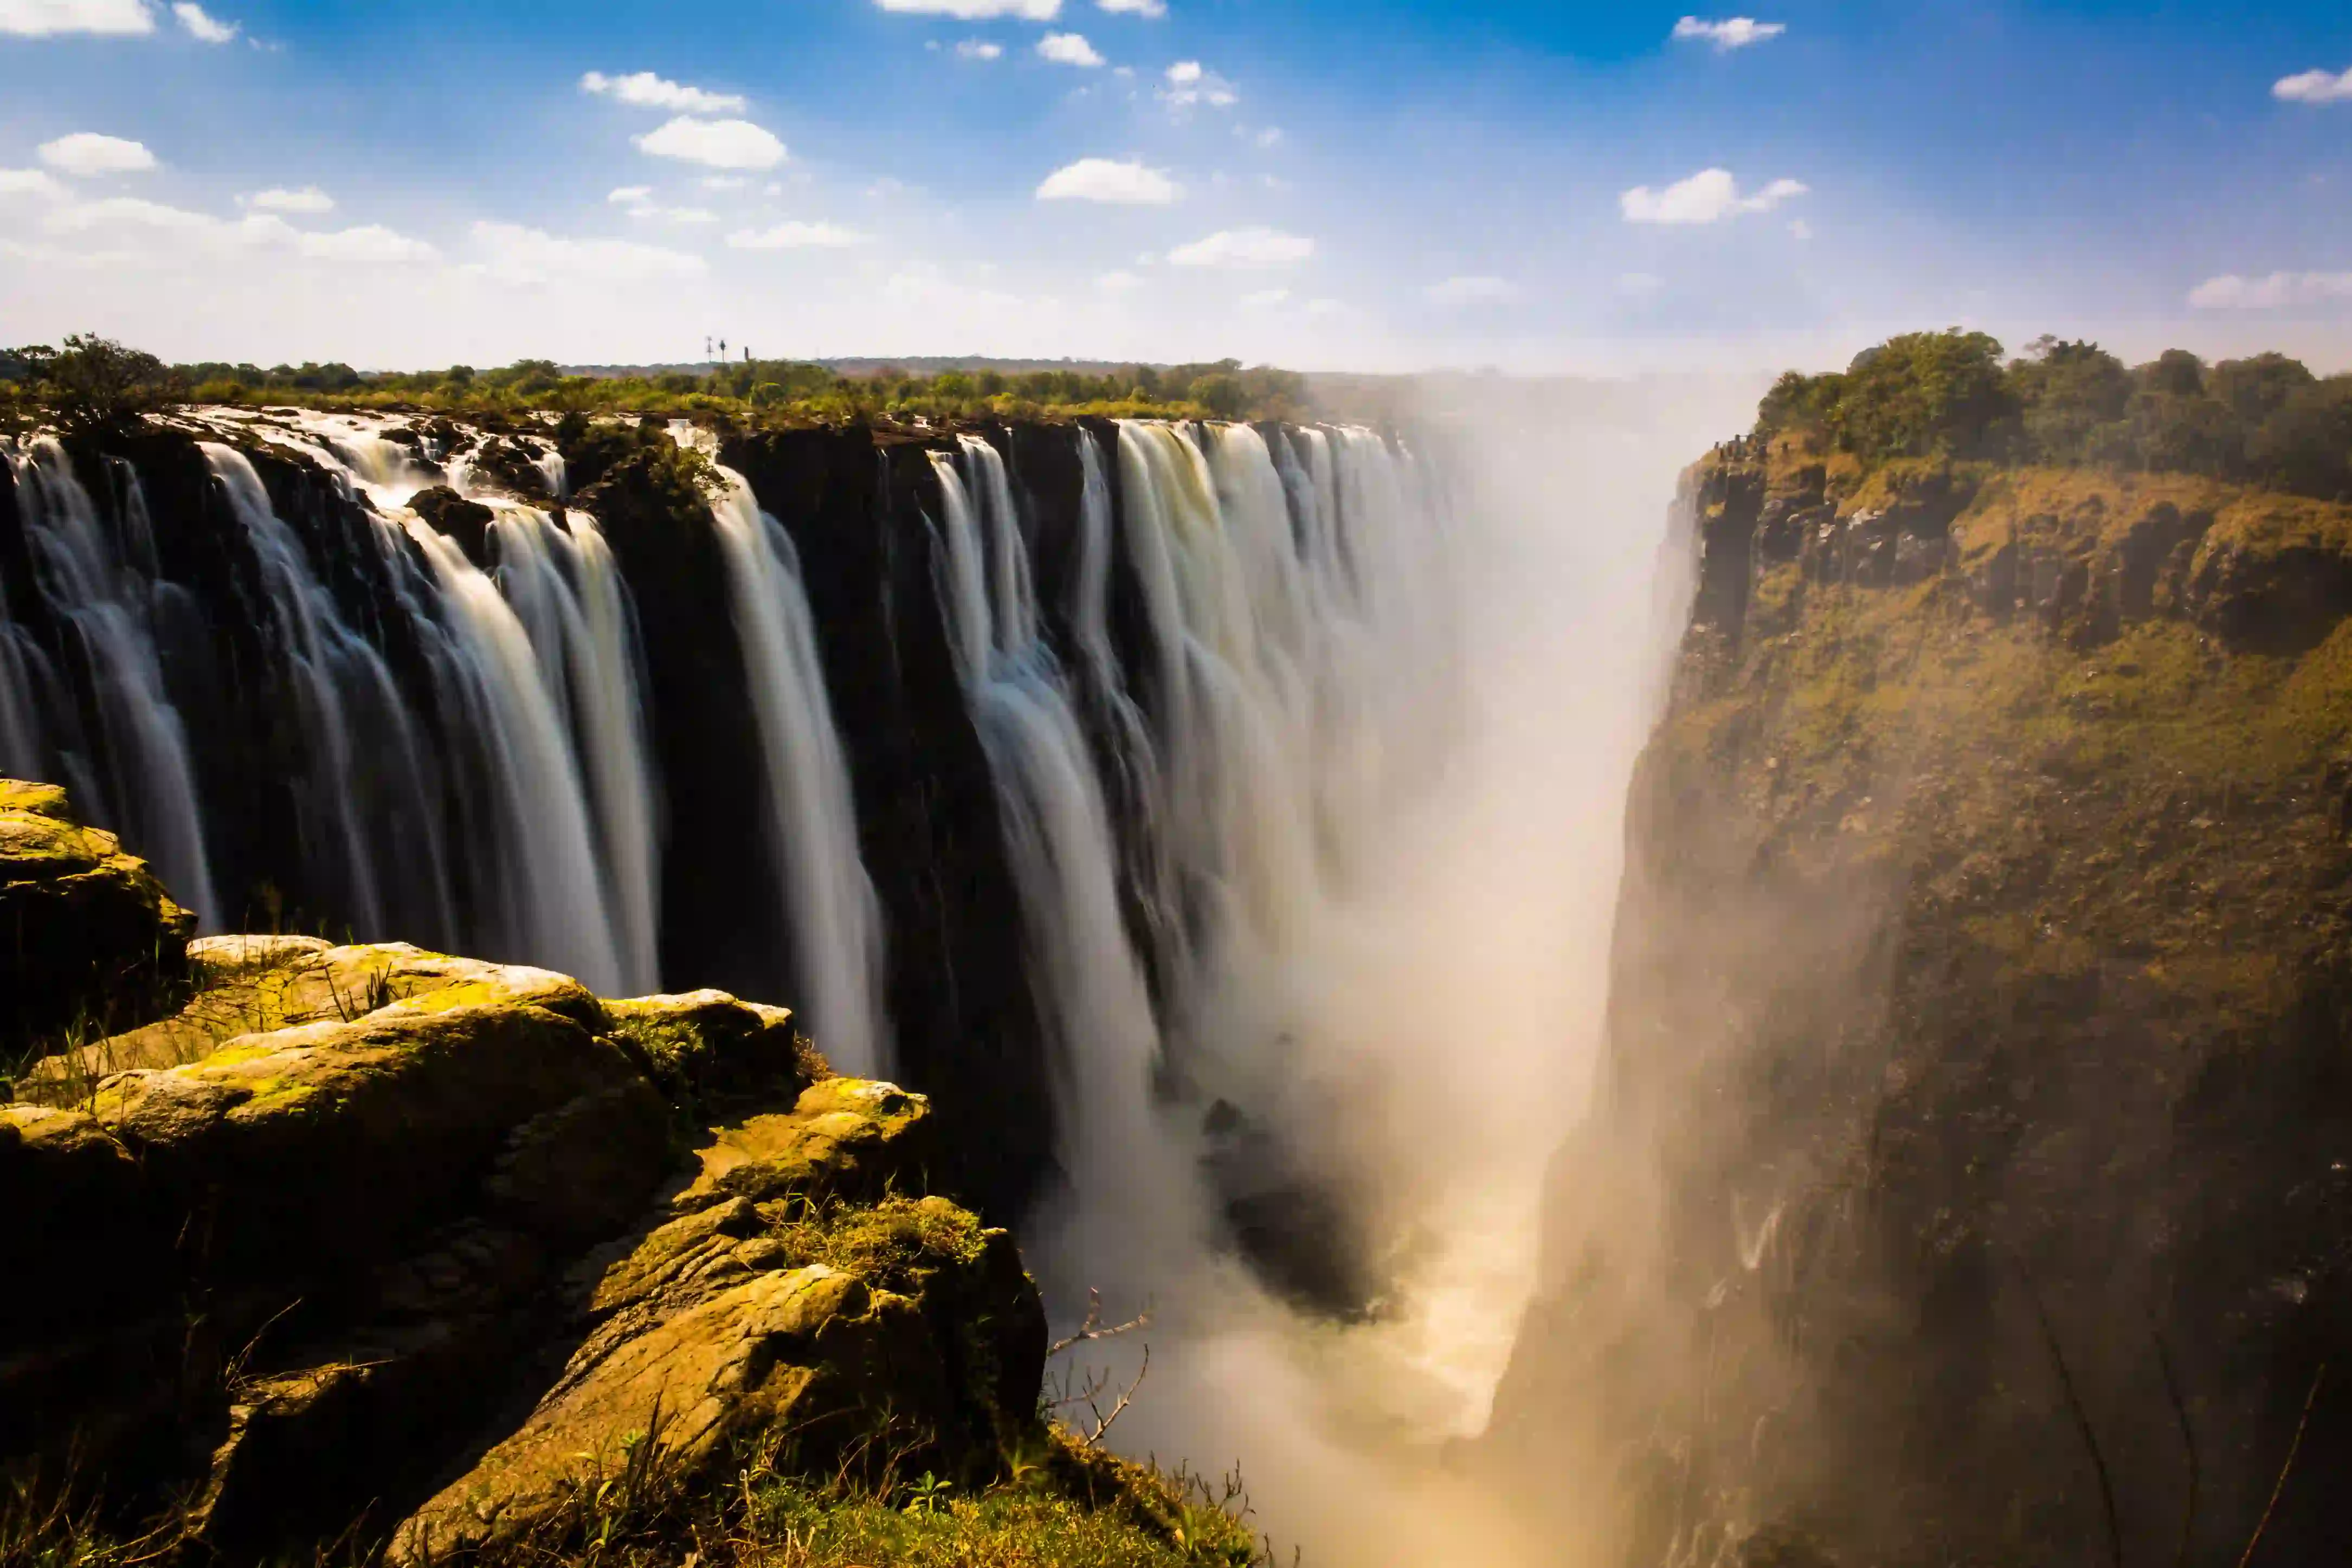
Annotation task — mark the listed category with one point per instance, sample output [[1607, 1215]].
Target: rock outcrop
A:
[[368, 1233], [1978, 1033], [87, 935]]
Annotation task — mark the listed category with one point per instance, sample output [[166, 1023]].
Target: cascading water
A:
[[567, 592], [834, 916], [1104, 1041], [367, 818], [104, 595]]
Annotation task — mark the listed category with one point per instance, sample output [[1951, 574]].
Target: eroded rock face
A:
[[86, 931], [363, 1225]]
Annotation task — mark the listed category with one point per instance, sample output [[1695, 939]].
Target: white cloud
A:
[[1248, 247], [630, 196], [203, 25], [2272, 293], [1119, 282], [722, 181], [45, 18], [2314, 87], [372, 243], [1152, 8], [1327, 307], [1709, 197], [120, 217], [1190, 83], [1732, 33], [87, 152], [1475, 290], [979, 49], [1271, 136], [1107, 179], [1070, 49], [797, 236], [720, 144], [514, 253], [978, 10], [674, 215], [277, 199], [1800, 229], [31, 183], [646, 90], [1265, 298]]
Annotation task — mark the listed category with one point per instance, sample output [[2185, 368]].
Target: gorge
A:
[[1932, 1149]]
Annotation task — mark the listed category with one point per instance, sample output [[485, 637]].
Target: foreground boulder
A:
[[366, 1229], [87, 933]]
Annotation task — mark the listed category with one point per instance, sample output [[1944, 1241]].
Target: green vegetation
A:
[[1068, 1506], [92, 378], [2267, 419]]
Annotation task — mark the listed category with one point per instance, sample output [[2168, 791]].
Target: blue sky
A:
[[1376, 184]]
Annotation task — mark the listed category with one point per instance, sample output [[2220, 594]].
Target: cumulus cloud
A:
[[720, 143], [38, 182], [2314, 87], [631, 194], [514, 253], [643, 90], [1709, 197], [1189, 84], [797, 236], [1118, 282], [1248, 248], [1731, 32], [46, 19], [1131, 184], [2274, 292], [978, 10], [203, 25], [1070, 49], [1265, 298], [1474, 291], [979, 49], [277, 199], [87, 152], [649, 211], [124, 218], [1152, 8], [370, 243]]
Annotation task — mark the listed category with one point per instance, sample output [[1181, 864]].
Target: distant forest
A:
[[2267, 419], [92, 377]]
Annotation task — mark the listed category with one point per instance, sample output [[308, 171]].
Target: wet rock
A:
[[467, 522]]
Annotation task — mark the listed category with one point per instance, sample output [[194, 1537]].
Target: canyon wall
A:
[[1971, 1175]]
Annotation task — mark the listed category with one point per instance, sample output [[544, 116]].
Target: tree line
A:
[[92, 379], [2266, 419]]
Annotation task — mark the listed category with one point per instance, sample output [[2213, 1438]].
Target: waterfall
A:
[[21, 756], [367, 811], [567, 592], [549, 886], [835, 917], [1095, 1006], [100, 586]]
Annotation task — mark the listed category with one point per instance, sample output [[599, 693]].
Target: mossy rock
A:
[[88, 936], [845, 1138], [249, 986]]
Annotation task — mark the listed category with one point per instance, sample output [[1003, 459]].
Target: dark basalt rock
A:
[[468, 522]]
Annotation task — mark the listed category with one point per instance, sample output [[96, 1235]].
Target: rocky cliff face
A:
[[1973, 1174]]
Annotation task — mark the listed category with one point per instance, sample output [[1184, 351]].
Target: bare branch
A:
[[2082, 1420], [2294, 1450], [1092, 1329]]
